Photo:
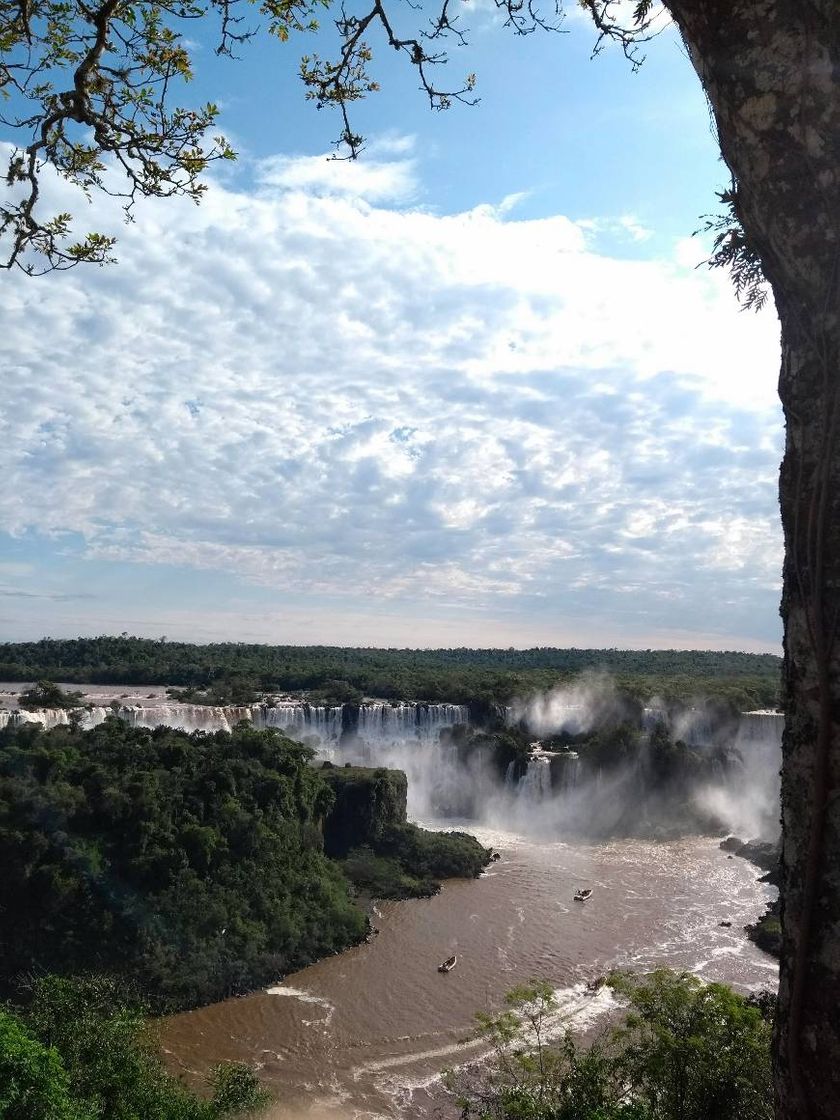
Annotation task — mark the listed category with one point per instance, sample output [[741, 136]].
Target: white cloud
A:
[[626, 227], [376, 180], [328, 397]]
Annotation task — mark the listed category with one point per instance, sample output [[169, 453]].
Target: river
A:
[[366, 1033]]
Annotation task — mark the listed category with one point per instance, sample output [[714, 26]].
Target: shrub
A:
[[684, 1050]]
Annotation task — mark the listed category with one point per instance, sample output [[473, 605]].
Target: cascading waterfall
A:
[[536, 784], [375, 721], [446, 782], [565, 770], [652, 716], [298, 720], [186, 717], [53, 717], [694, 726], [760, 727], [699, 728], [740, 786], [536, 781], [380, 721]]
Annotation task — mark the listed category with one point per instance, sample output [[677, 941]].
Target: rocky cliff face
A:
[[367, 802]]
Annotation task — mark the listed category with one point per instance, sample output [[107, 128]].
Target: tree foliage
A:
[[89, 87], [34, 1084], [193, 865], [732, 251], [190, 864], [47, 694], [336, 675], [90, 93], [80, 1051], [683, 1050]]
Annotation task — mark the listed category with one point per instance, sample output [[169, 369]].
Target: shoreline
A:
[[376, 1024]]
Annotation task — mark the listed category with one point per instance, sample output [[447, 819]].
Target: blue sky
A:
[[470, 390]]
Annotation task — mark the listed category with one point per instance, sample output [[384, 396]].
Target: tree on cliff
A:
[[90, 85]]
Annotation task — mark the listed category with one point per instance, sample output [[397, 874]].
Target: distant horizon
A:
[[168, 639]]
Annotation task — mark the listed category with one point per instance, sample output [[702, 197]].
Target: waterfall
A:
[[652, 716], [760, 727], [565, 768], [185, 717], [393, 722], [53, 717], [535, 784], [299, 719], [693, 726], [546, 715], [376, 722], [456, 778], [746, 794]]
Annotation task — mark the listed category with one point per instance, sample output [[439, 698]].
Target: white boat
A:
[[448, 964], [583, 894]]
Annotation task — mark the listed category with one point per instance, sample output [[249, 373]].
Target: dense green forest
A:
[[191, 864], [80, 1050], [747, 680]]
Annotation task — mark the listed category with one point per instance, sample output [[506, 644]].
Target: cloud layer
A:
[[323, 388]]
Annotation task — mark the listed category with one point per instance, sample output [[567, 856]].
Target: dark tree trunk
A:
[[771, 70]]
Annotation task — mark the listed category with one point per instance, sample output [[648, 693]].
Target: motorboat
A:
[[583, 894], [448, 964]]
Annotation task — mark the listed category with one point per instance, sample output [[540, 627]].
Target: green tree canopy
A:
[[682, 1050], [81, 1051]]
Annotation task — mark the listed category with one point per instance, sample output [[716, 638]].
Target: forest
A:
[[236, 672], [80, 1049], [191, 865]]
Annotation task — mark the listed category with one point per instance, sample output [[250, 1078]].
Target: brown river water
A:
[[367, 1033]]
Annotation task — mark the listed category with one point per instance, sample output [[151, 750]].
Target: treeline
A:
[[745, 680], [192, 865]]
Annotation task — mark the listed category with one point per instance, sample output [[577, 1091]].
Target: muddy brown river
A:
[[367, 1033]]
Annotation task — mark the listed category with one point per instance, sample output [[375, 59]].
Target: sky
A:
[[476, 388]]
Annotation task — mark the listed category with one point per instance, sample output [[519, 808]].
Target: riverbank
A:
[[765, 931], [369, 1031]]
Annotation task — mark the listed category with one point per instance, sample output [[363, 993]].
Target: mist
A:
[[590, 763], [579, 760]]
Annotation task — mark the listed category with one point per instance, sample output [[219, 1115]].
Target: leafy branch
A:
[[731, 250], [87, 90], [647, 20], [91, 88]]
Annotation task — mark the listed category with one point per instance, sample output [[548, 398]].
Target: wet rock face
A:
[[767, 931], [763, 853]]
